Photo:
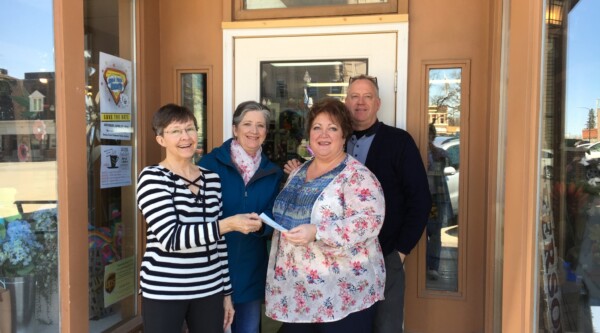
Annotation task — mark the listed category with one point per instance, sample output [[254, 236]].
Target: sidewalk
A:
[[26, 181]]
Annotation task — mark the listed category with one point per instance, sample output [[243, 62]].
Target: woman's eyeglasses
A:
[[177, 133], [373, 79]]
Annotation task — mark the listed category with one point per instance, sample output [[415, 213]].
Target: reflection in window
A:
[[28, 171], [289, 90], [193, 96], [111, 151], [443, 161], [569, 172]]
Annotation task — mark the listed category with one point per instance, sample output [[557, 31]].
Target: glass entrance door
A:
[[289, 69], [111, 115], [298, 66]]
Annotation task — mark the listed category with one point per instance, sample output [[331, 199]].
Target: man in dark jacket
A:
[[392, 155]]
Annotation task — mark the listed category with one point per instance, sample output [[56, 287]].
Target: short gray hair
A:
[[248, 106]]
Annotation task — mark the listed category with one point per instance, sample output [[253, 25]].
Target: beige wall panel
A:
[[442, 30], [402, 6], [149, 100], [522, 132], [149, 81], [191, 37]]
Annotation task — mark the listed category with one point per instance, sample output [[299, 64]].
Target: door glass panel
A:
[[568, 259], [193, 96], [111, 155], [443, 170], [273, 45], [29, 300], [289, 89]]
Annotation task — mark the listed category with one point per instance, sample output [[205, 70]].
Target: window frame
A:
[[465, 67], [208, 71], [241, 14]]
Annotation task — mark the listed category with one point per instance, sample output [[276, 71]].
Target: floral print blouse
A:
[[341, 273]]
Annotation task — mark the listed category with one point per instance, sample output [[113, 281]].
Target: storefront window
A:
[[569, 194], [111, 116], [29, 299]]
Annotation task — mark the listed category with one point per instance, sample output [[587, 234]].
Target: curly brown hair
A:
[[336, 109]]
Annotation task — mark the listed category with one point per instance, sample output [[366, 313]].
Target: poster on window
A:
[[549, 262], [115, 166], [115, 97], [119, 278]]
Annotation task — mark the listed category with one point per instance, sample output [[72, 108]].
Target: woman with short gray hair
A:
[[250, 183]]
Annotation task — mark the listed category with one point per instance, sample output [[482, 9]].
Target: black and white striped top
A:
[[186, 257]]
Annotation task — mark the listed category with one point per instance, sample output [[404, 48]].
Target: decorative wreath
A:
[[23, 152]]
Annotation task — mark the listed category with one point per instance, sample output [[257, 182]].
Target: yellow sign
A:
[[116, 117], [119, 280]]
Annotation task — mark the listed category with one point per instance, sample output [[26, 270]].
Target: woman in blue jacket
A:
[[250, 183]]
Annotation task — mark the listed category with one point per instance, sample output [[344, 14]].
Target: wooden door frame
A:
[[519, 125], [496, 167], [71, 149], [70, 156]]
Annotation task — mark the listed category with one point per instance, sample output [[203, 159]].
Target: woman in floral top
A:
[[326, 273]]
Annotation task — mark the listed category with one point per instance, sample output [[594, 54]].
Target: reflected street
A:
[[26, 181]]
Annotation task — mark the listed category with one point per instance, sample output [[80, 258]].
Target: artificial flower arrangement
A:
[[19, 248], [29, 247]]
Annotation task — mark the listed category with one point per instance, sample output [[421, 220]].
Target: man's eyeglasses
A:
[[373, 79], [177, 133]]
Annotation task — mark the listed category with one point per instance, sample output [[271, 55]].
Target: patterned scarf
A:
[[246, 164]]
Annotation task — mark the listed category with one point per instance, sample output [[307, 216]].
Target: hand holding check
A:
[[269, 221]]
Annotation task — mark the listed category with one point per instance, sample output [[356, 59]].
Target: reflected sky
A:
[[583, 65], [26, 45]]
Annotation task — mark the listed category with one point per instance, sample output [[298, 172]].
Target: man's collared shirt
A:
[[359, 143]]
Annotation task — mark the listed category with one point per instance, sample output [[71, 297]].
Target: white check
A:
[[266, 219]]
